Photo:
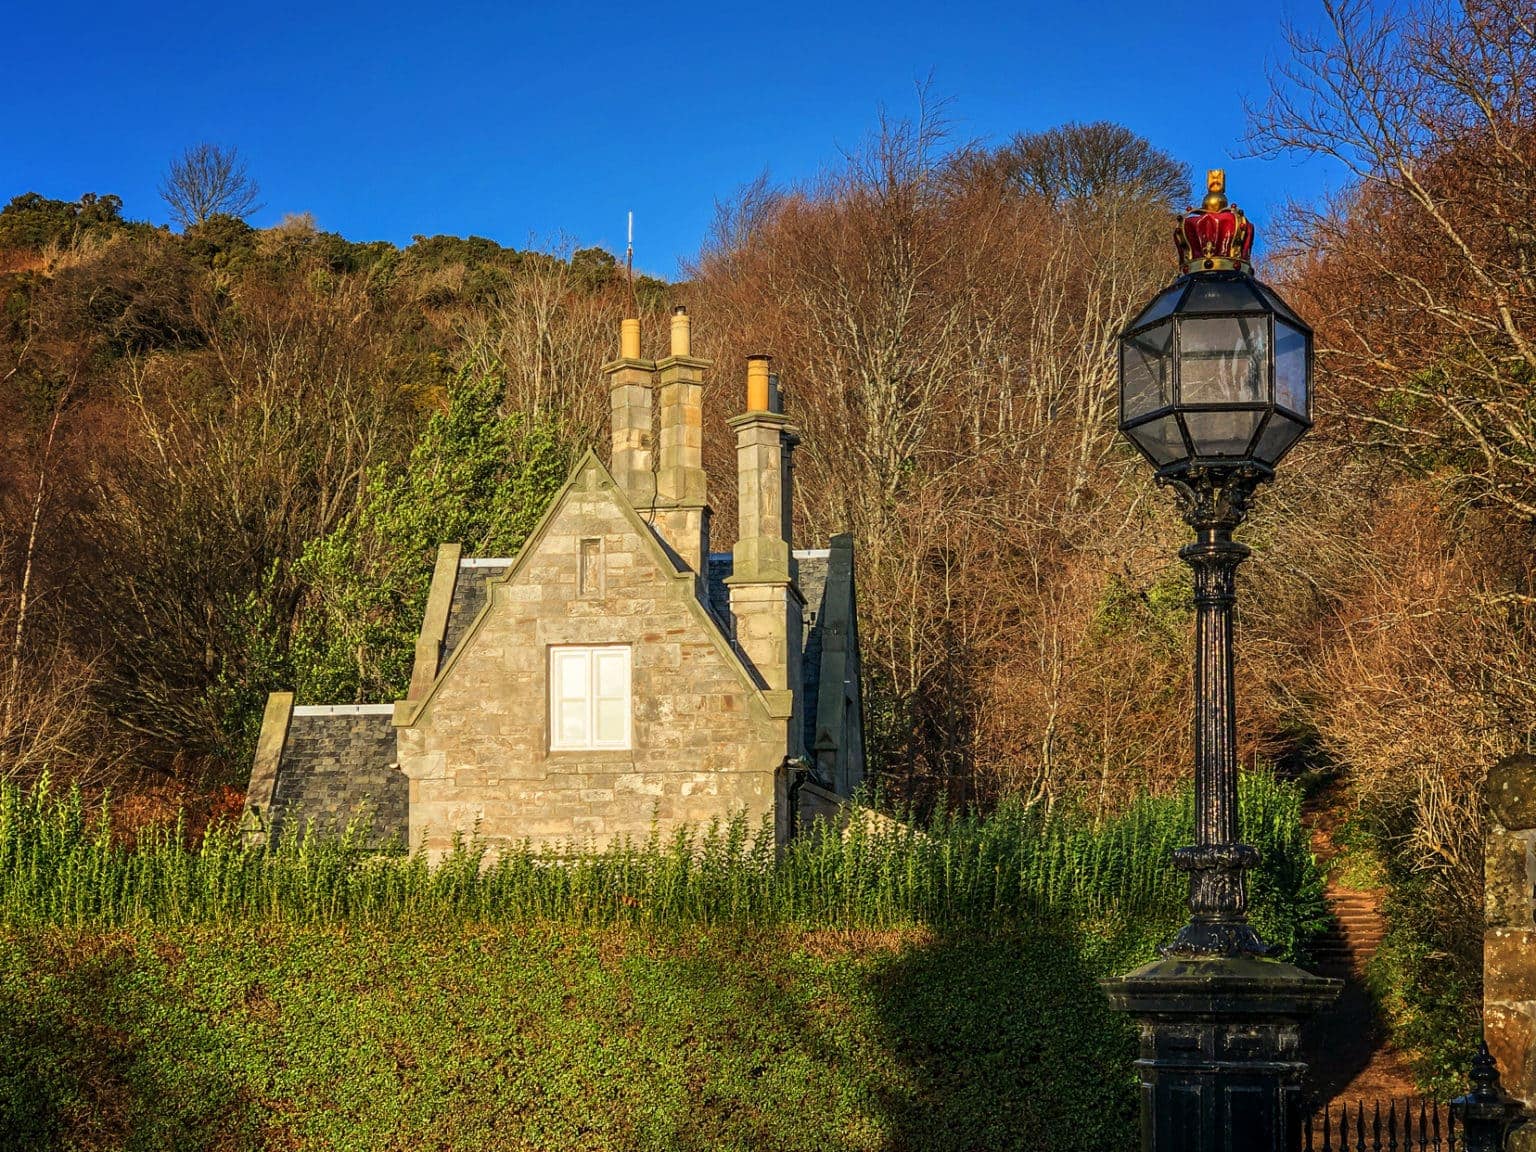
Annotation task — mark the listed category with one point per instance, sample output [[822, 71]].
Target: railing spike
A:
[[1376, 1126], [1360, 1125], [1328, 1127]]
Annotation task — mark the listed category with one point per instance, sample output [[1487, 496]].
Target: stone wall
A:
[[1509, 946], [338, 764], [706, 742]]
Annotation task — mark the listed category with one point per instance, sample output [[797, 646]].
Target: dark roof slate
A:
[[469, 596], [340, 766]]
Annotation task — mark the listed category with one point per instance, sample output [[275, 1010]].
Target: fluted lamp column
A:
[[1215, 387]]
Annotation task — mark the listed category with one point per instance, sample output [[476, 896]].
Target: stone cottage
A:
[[615, 676]]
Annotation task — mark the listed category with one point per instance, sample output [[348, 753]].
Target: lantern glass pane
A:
[[1291, 368], [1223, 433], [1279, 434], [1160, 307], [1161, 439], [1207, 295], [1224, 360], [1272, 298], [1144, 372]]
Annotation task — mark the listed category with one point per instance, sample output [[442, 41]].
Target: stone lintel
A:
[[776, 421], [760, 560]]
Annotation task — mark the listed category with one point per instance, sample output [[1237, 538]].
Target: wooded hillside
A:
[[231, 451]]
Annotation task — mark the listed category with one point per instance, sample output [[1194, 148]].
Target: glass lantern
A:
[[1216, 373]]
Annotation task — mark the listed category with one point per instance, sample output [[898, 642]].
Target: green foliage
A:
[[254, 660], [59, 865], [221, 242], [32, 221], [883, 989], [559, 1038], [1427, 975], [1359, 864], [1159, 613], [477, 476]]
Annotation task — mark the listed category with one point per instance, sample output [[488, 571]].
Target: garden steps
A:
[[1348, 1045]]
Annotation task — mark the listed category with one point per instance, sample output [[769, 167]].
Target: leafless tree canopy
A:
[[1090, 161], [208, 180]]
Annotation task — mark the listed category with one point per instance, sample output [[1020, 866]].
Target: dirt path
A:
[[1348, 1049]]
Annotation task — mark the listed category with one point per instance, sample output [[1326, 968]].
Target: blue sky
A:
[[522, 122]]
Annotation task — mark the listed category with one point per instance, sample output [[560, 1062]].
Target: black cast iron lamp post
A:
[[1215, 387]]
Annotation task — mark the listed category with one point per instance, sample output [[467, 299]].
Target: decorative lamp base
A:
[[1220, 1060]]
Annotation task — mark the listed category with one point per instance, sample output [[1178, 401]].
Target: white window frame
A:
[[591, 655]]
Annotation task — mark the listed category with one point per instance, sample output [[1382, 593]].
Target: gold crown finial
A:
[[1215, 190]]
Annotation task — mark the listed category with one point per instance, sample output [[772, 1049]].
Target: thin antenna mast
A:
[[629, 258]]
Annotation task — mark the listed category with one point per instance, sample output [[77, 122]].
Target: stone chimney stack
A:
[[682, 507], [629, 389], [765, 601]]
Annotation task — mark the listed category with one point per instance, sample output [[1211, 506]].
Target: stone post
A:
[[1509, 940], [630, 382], [765, 602], [681, 513]]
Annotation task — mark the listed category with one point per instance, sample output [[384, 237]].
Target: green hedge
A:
[[60, 864], [894, 991]]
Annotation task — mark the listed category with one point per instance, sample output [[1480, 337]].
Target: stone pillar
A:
[[630, 381], [1509, 941], [765, 602], [682, 507]]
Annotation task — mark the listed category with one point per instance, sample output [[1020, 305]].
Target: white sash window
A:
[[589, 697]]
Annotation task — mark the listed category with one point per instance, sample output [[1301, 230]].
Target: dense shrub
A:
[[883, 990], [59, 864]]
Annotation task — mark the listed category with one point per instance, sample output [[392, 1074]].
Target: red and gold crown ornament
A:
[[1215, 237]]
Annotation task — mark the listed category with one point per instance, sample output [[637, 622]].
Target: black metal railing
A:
[[1404, 1126]]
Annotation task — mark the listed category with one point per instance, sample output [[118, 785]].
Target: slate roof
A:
[[469, 595], [338, 766]]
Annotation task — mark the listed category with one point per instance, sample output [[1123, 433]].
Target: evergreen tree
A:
[[478, 476]]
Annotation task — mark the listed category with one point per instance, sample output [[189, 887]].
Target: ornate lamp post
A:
[[1215, 387]]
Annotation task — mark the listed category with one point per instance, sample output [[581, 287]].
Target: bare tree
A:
[[1423, 276], [1092, 161], [208, 180], [946, 341]]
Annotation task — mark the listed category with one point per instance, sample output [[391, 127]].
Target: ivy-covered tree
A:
[[479, 476]]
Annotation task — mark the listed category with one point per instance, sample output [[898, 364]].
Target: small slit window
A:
[[589, 578], [589, 698]]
